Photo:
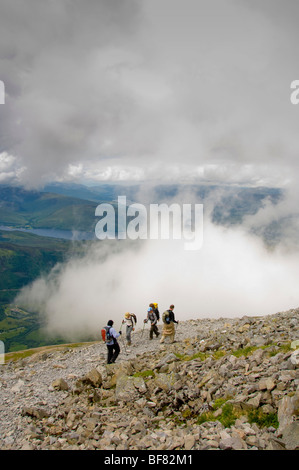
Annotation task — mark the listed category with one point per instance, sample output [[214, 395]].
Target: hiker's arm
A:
[[115, 334]]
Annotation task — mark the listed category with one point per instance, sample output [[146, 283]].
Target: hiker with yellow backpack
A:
[[168, 324], [155, 310], [152, 318]]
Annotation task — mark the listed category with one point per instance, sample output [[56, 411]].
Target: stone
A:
[[60, 384], [295, 358], [93, 378], [168, 359], [287, 409], [128, 389], [233, 443], [267, 384], [189, 442], [18, 386], [35, 412], [290, 436], [166, 381]]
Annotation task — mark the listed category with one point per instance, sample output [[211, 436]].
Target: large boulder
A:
[[288, 409], [93, 378], [290, 436], [129, 389]]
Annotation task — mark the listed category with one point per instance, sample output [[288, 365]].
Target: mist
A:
[[233, 274]]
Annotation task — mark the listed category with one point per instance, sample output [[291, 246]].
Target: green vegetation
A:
[[226, 413], [23, 258], [229, 414], [271, 349], [227, 417], [145, 374], [244, 351], [263, 419], [186, 357], [34, 209]]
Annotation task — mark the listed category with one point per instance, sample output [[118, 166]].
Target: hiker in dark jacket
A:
[[113, 348], [151, 316]]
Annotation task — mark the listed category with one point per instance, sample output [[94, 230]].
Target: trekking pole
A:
[[176, 327], [140, 338], [123, 340], [143, 328]]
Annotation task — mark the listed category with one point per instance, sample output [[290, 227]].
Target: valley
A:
[[64, 214]]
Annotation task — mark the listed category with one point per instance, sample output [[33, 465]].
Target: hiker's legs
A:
[[162, 338], [128, 334], [151, 331], [116, 352], [156, 331], [171, 336], [109, 353]]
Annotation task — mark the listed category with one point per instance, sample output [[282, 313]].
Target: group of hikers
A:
[[110, 335]]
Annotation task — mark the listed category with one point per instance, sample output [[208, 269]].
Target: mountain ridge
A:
[[227, 383]]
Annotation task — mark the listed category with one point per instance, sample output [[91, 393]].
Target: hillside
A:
[[225, 384], [23, 258], [34, 209], [231, 203]]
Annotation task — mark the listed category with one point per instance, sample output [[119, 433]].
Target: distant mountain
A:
[[35, 209], [229, 204], [99, 193]]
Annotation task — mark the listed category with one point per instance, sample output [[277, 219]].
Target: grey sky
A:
[[168, 90]]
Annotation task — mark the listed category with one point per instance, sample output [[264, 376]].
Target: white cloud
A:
[[232, 275]]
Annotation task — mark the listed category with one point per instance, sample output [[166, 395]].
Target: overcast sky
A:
[[164, 90]]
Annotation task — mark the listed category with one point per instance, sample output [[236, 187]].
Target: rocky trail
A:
[[227, 383]]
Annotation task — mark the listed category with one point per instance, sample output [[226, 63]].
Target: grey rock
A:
[[290, 436]]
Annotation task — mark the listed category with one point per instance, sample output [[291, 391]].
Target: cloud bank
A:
[[138, 90], [233, 274]]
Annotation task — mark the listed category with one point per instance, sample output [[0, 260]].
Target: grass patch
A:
[[145, 374], [244, 351], [219, 354], [282, 348], [186, 357], [230, 414], [227, 418], [263, 419]]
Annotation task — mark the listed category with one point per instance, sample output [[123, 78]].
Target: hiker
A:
[[168, 324], [151, 316], [113, 348], [155, 310], [130, 321]]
